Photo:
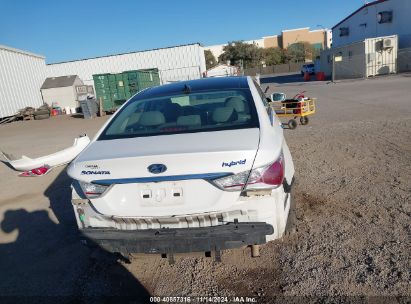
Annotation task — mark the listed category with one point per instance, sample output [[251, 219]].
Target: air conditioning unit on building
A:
[[387, 43]]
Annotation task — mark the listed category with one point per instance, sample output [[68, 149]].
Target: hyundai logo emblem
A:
[[157, 168]]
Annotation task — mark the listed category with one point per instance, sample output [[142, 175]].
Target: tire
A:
[[290, 227], [292, 124], [41, 117], [41, 112], [304, 120]]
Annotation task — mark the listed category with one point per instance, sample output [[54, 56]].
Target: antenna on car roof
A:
[[186, 89]]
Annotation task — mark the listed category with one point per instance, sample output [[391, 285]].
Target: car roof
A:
[[193, 86]]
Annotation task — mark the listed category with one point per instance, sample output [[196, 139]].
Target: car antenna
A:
[[186, 89]]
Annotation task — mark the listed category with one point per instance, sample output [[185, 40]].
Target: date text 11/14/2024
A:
[[203, 299]]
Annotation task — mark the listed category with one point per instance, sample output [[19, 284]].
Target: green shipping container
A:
[[107, 102], [105, 91], [100, 77], [114, 89], [119, 77], [112, 78], [99, 85]]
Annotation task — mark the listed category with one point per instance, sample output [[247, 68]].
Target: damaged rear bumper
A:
[[180, 240]]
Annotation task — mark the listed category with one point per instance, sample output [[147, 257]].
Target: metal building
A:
[[375, 19], [174, 64], [21, 76], [371, 57]]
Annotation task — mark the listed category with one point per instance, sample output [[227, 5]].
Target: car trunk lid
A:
[[190, 160]]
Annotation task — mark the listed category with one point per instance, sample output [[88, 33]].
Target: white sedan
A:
[[193, 166]]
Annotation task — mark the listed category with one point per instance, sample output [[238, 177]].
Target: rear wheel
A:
[[41, 112], [304, 120], [292, 124], [42, 116]]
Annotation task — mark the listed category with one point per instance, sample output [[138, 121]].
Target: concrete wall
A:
[[363, 24], [290, 37], [272, 41], [257, 42], [21, 76], [352, 64]]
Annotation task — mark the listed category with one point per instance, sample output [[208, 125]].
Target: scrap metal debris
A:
[[52, 160], [36, 172]]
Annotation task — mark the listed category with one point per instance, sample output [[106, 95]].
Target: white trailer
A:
[[21, 76], [183, 62], [367, 58]]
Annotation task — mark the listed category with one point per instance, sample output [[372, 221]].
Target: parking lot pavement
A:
[[353, 188], [41, 256]]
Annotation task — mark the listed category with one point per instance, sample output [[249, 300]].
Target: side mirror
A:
[[268, 99], [278, 97]]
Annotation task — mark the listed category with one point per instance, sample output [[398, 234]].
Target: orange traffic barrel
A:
[[320, 76]]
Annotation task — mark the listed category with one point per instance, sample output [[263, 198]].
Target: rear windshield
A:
[[185, 113]]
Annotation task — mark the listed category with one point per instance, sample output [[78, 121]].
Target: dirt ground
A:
[[353, 193]]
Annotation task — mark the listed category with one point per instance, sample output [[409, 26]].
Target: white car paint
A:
[[201, 204], [52, 160]]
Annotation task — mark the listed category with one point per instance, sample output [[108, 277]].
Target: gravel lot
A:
[[353, 191]]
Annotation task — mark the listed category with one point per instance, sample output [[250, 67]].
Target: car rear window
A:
[[184, 113]]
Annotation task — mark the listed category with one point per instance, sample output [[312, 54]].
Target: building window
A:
[[384, 17], [344, 31]]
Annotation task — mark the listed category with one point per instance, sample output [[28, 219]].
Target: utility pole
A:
[[333, 69]]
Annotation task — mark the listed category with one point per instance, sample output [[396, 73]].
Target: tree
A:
[[237, 51], [300, 51], [210, 59], [273, 56]]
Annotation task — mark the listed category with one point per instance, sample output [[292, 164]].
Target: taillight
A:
[[266, 177], [92, 190]]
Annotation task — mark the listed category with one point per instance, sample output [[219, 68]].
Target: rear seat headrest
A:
[[134, 118], [189, 120], [224, 114], [152, 118], [237, 103]]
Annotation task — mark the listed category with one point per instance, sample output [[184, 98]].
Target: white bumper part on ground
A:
[[52, 160]]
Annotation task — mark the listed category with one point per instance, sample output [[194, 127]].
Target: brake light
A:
[[266, 177], [92, 190]]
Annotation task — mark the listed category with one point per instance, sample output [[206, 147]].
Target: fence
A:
[[275, 69]]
